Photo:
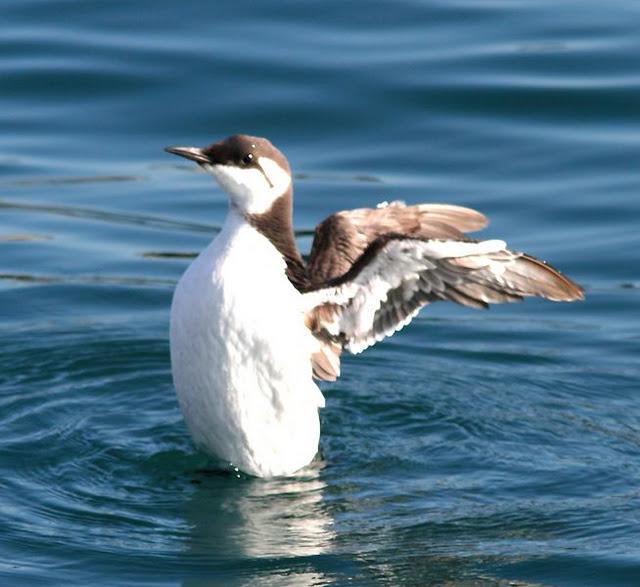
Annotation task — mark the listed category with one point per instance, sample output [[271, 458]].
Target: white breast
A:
[[240, 356]]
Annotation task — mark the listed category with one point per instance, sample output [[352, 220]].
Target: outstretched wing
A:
[[396, 275], [340, 239]]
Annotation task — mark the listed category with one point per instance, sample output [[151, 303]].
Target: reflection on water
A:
[[251, 521], [84, 279], [105, 216]]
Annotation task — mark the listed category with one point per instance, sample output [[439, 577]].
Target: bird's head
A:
[[250, 169]]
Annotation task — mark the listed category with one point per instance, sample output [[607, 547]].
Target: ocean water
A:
[[474, 448]]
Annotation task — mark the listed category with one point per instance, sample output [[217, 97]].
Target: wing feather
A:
[[342, 237], [371, 270], [396, 276]]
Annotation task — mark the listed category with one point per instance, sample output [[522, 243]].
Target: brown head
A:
[[251, 170]]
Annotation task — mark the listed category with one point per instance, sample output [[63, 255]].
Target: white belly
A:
[[240, 356]]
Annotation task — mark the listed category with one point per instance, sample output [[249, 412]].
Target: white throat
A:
[[252, 190]]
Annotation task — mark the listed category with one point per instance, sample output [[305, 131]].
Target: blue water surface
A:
[[474, 448]]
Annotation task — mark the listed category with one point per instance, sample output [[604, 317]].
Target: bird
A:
[[254, 325]]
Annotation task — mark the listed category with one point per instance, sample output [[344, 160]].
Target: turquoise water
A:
[[473, 449]]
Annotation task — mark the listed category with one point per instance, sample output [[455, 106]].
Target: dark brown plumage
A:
[[342, 237]]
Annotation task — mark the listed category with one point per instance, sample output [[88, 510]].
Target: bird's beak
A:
[[194, 153]]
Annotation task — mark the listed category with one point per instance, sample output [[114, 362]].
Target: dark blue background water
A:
[[473, 448]]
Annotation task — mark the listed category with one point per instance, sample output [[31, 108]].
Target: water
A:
[[474, 449]]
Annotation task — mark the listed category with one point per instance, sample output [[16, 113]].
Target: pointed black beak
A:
[[194, 153]]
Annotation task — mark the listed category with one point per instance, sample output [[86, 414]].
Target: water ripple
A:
[[472, 449]]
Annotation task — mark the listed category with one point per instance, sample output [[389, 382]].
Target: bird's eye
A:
[[247, 159]]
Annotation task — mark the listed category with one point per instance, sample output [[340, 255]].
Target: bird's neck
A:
[[276, 224]]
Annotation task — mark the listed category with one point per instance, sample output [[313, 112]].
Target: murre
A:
[[252, 324]]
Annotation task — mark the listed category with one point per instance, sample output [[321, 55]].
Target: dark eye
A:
[[247, 159]]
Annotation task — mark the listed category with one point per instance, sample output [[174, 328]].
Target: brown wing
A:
[[396, 276], [343, 237]]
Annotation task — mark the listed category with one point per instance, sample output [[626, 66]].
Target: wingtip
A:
[[556, 286], [577, 293]]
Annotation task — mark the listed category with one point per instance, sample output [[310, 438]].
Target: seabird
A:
[[252, 324]]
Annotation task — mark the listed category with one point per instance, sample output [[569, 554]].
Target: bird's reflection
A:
[[246, 522]]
